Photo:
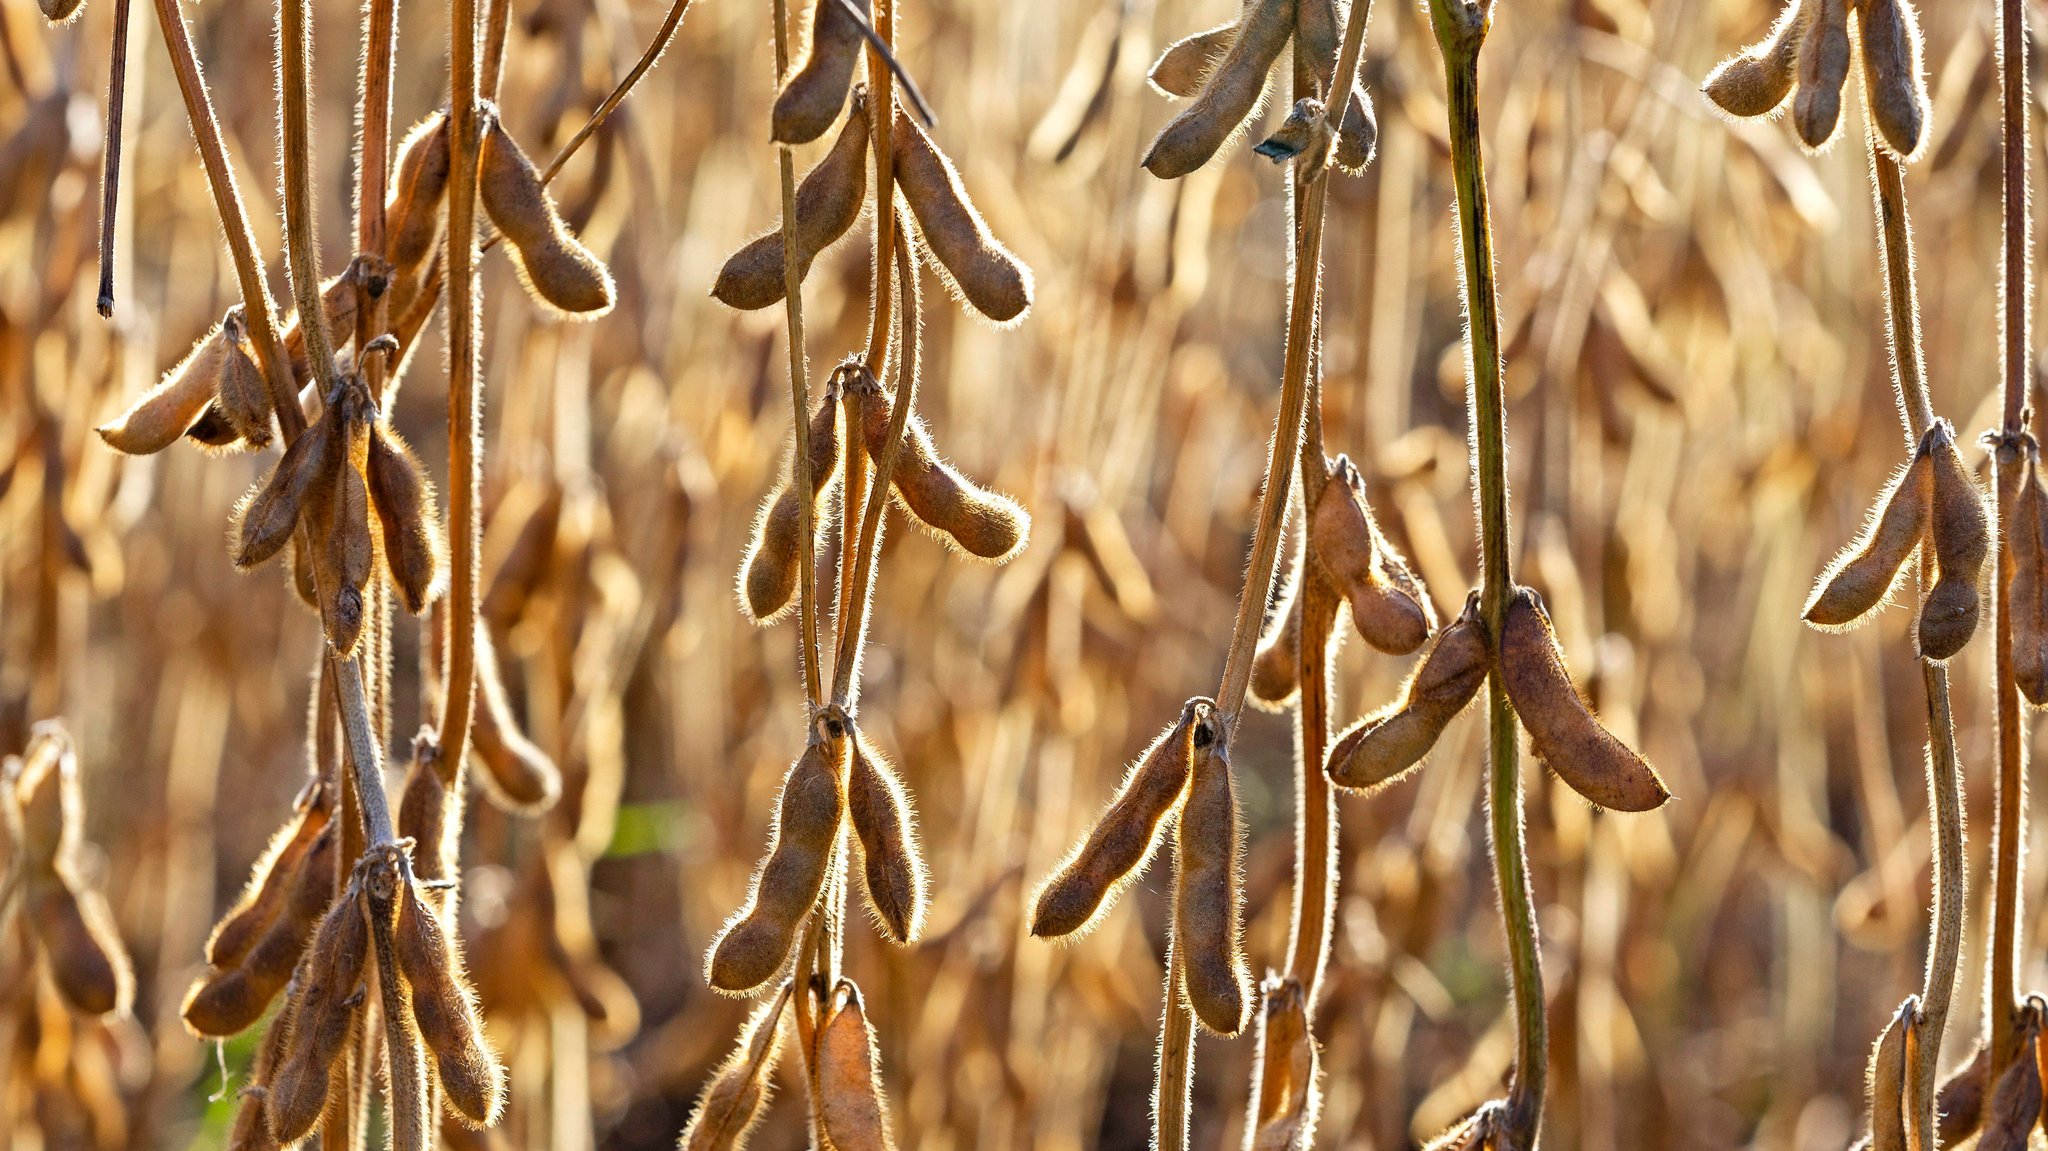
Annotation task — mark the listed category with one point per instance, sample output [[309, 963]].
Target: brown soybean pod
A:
[[444, 1007], [553, 264], [80, 950], [1895, 93], [1961, 531], [1756, 81], [772, 564], [811, 100], [1276, 667], [518, 775], [269, 515], [736, 1096], [980, 269], [2027, 550], [1887, 1080], [407, 517], [1285, 1099], [1347, 545], [430, 813], [1228, 95], [227, 1001], [1386, 746], [344, 559], [1208, 890], [878, 806], [851, 1105], [2016, 1105], [1823, 68], [983, 523], [323, 1009], [413, 213], [1862, 576], [1085, 885], [1960, 1100], [1561, 727], [244, 396], [753, 947], [828, 204], [1180, 70], [1318, 36], [270, 884], [163, 413]]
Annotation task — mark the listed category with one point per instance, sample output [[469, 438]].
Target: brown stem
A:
[[110, 180], [465, 387], [655, 48], [497, 26], [881, 126]]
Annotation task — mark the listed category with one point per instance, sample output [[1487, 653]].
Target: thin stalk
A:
[[1460, 33], [1176, 1073], [881, 126], [1944, 773], [373, 168], [655, 48], [497, 26], [465, 385], [110, 179], [799, 390]]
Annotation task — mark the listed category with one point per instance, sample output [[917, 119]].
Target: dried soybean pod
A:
[[1385, 604], [228, 1000], [1887, 1080], [244, 396], [1285, 1098], [1383, 747], [270, 883], [326, 995], [413, 213], [553, 264], [407, 516], [430, 812], [1959, 1102], [2016, 1104], [1086, 883], [736, 1096], [80, 949], [298, 562], [1823, 68], [1563, 730], [1961, 531], [983, 523], [1318, 37], [269, 515], [163, 413], [1893, 88], [811, 100], [1862, 576], [1755, 81], [1228, 95], [444, 1007], [1180, 70], [979, 268], [212, 430], [769, 571], [1276, 668], [531, 516], [338, 304], [828, 203], [61, 11], [2027, 550], [518, 775], [756, 942], [851, 1105], [46, 800], [878, 806], [343, 559], [1208, 891]]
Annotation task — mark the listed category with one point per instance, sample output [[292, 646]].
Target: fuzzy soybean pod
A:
[[878, 806], [1756, 81], [61, 11], [1318, 37], [163, 413], [227, 1000], [1387, 605], [769, 571], [270, 883], [1862, 576], [1085, 885], [444, 1007], [1385, 746], [324, 1009], [2026, 549], [413, 212], [1285, 1097], [1563, 730], [1276, 666], [756, 943], [407, 518], [244, 396], [1229, 93], [269, 515], [1961, 531], [1823, 68], [518, 775], [554, 265], [47, 801], [1960, 1100], [430, 814], [1187, 62], [338, 304], [983, 523], [811, 100], [2016, 1105], [828, 203], [82, 953], [736, 1097], [343, 561], [1208, 889], [984, 273], [1895, 92], [852, 1107], [1887, 1079]]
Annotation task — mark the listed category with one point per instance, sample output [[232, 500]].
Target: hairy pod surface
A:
[[407, 518], [323, 1012], [269, 515], [773, 561], [1228, 94], [1823, 69], [518, 775], [1208, 891], [1318, 36], [811, 100], [1562, 729], [851, 1105], [81, 951], [1086, 883], [1862, 576], [2015, 1107], [1276, 667], [736, 1096], [553, 264], [413, 213], [1387, 605], [756, 943], [270, 883], [47, 802], [1961, 532], [444, 1007], [1286, 1098], [1887, 1080], [2026, 549], [1756, 81], [1187, 62], [892, 865], [1959, 1103], [244, 395], [430, 812], [1894, 89], [163, 413], [344, 561], [828, 204], [980, 269], [1386, 746], [983, 523], [227, 1000]]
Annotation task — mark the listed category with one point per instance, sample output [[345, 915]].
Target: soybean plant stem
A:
[[465, 385], [1460, 33], [799, 393], [110, 173], [881, 127]]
